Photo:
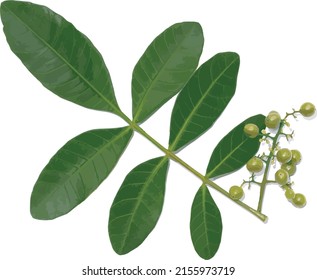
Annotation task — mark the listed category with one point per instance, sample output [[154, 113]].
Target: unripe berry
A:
[[273, 120], [307, 109], [236, 192], [290, 167], [255, 165], [281, 177], [299, 200], [289, 193], [251, 130], [284, 155], [296, 156]]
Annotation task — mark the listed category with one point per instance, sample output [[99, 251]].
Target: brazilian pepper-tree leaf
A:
[[58, 55], [205, 224], [235, 149], [76, 170], [203, 99], [165, 67], [137, 205]]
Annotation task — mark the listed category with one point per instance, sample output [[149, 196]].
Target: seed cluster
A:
[[287, 159]]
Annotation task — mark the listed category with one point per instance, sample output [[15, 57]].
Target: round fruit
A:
[[299, 200], [289, 193], [255, 165], [236, 192], [251, 130], [307, 109], [281, 177], [296, 156], [284, 155], [290, 167], [273, 120]]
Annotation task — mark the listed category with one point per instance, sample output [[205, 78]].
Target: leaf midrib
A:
[[205, 216], [193, 111], [140, 106], [225, 158], [116, 109]]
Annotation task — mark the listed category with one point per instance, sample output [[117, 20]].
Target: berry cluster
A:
[[287, 159]]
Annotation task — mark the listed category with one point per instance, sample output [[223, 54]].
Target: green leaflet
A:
[[165, 67], [76, 170], [203, 99], [58, 55], [137, 205], [205, 224], [235, 149]]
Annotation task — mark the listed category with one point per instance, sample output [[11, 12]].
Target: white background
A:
[[277, 44]]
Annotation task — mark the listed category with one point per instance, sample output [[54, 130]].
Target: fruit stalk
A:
[[268, 162]]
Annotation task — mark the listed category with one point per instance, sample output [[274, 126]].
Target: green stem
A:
[[265, 179], [203, 178]]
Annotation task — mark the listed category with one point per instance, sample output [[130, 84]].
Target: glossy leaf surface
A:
[[58, 55], [76, 170], [165, 67], [137, 205], [203, 99], [205, 224], [235, 149]]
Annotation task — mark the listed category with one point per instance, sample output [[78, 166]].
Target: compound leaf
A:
[[76, 170], [165, 67], [58, 55], [235, 149], [205, 224], [203, 99], [137, 205]]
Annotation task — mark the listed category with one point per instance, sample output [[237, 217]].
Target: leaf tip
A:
[[9, 3], [38, 212]]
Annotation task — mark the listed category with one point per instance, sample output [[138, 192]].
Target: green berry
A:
[[273, 120], [251, 130], [307, 109], [255, 165], [236, 192], [296, 156], [289, 193], [281, 177], [290, 167], [284, 155], [299, 200]]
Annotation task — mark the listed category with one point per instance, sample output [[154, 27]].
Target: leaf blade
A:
[[203, 99], [234, 150], [165, 67], [76, 170], [205, 224], [137, 205], [63, 59]]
